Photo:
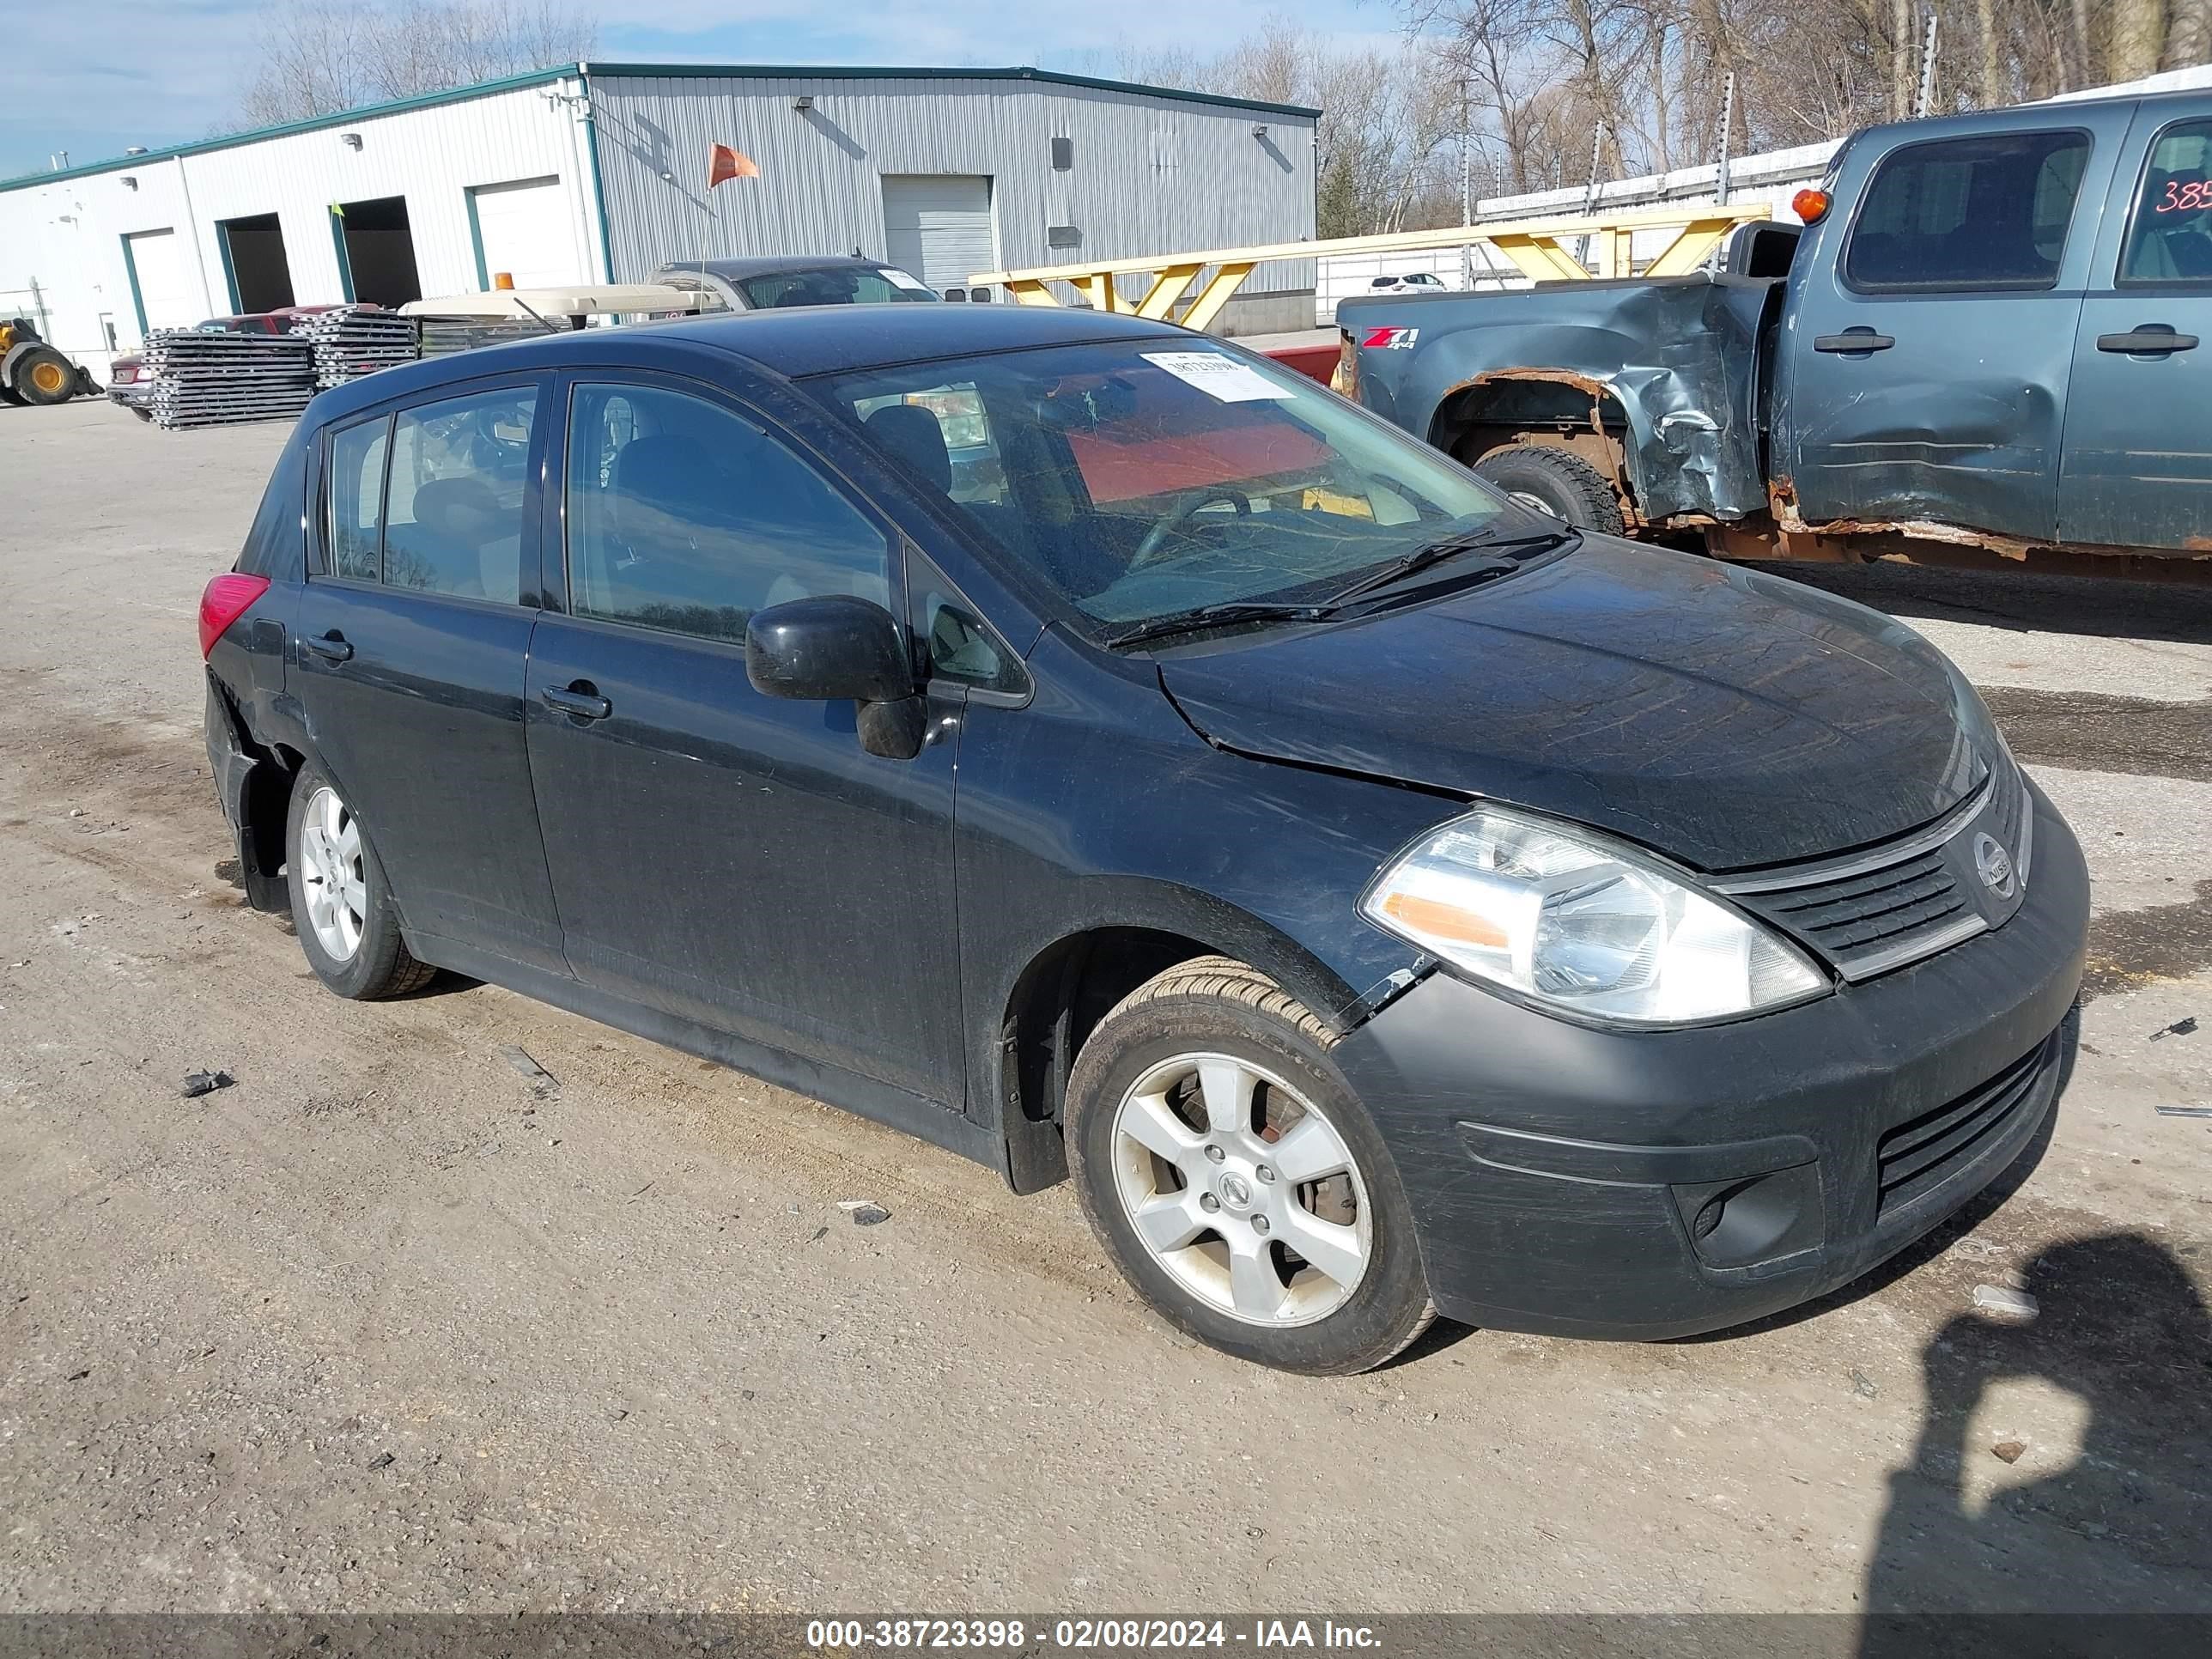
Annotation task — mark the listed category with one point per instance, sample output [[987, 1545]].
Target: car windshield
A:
[[1146, 478], [834, 285]]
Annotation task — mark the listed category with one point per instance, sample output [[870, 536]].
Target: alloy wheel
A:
[[1241, 1189], [330, 874]]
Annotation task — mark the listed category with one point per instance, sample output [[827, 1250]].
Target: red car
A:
[[130, 383]]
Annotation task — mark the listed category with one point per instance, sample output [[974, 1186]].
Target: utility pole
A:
[[1925, 99], [1589, 188], [1466, 180], [1728, 126]]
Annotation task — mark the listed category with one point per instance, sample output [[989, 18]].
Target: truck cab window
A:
[[1984, 212], [2171, 241]]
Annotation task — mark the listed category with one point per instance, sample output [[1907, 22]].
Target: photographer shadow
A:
[[2120, 1528]]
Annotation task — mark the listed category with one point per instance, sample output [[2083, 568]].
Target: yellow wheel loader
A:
[[33, 371]]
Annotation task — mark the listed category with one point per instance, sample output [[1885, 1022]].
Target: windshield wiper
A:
[[1510, 552], [1198, 618], [1510, 549]]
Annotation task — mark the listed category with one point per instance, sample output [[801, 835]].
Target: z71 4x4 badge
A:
[[1389, 339]]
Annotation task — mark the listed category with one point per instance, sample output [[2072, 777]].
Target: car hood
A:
[[1724, 717]]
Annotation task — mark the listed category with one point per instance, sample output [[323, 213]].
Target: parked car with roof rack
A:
[[770, 282]]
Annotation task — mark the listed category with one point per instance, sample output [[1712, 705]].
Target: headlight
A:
[[1582, 924]]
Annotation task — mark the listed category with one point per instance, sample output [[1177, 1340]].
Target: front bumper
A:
[[1641, 1185]]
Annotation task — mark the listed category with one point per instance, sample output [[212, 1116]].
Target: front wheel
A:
[[1236, 1181], [43, 376]]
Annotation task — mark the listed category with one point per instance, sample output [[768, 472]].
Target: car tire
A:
[[341, 906], [43, 376], [1556, 481], [1185, 1199]]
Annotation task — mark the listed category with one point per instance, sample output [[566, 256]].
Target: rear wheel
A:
[[1235, 1179], [1555, 482], [342, 907], [43, 375]]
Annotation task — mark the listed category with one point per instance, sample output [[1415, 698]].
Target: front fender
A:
[[1098, 807], [1678, 359]]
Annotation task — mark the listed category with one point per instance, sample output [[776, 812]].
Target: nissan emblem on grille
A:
[[1994, 865]]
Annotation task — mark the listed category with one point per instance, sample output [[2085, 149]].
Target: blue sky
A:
[[155, 72]]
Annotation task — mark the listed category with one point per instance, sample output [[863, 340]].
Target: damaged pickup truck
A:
[[1982, 349]]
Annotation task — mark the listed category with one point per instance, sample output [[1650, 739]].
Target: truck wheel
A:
[[1237, 1182], [43, 376], [1555, 482]]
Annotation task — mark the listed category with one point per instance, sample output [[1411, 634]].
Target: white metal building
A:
[[597, 171]]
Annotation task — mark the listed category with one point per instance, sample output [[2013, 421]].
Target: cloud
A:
[[158, 72], [996, 32], [125, 72]]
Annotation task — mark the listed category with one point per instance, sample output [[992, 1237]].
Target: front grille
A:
[[1870, 912], [1852, 916], [1916, 1155]]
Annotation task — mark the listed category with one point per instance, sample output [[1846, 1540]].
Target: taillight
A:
[[224, 601]]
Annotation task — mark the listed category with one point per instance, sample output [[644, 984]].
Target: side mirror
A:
[[839, 647]]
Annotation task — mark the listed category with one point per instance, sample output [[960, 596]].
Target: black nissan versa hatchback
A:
[[1103, 753]]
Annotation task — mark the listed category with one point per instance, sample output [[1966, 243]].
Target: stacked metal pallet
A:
[[351, 341], [443, 335], [223, 379]]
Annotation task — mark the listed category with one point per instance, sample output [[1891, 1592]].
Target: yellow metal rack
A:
[[1537, 247]]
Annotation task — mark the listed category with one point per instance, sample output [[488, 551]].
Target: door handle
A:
[[2146, 340], [580, 698], [1861, 338], [331, 647]]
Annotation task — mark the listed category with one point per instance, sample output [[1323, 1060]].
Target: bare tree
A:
[[1643, 78], [320, 57]]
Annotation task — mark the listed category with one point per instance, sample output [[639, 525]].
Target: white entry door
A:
[[937, 225], [168, 296], [525, 229]]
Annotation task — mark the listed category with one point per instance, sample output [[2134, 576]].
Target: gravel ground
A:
[[378, 1329]]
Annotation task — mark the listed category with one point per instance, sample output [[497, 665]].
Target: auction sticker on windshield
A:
[[1221, 378], [898, 278]]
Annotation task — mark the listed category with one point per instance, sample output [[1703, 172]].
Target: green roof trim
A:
[[893, 72], [314, 123], [643, 71]]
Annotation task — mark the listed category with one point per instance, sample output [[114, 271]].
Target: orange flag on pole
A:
[[723, 163]]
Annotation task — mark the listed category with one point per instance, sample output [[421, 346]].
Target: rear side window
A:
[[453, 508], [1985, 212], [683, 516], [435, 498], [356, 498], [2171, 240]]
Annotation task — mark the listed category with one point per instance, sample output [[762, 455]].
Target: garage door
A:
[[523, 228], [167, 295], [939, 225]]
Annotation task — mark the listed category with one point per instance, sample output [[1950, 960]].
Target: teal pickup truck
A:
[[1986, 347]]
